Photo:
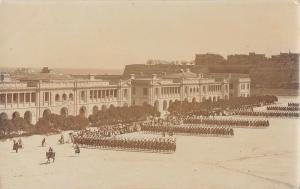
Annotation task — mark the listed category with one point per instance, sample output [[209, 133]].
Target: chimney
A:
[[154, 76], [132, 76], [91, 77]]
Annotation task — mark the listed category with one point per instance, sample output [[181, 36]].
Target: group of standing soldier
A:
[[150, 144], [227, 122], [283, 108]]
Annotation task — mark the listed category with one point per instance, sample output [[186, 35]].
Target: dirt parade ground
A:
[[253, 158]]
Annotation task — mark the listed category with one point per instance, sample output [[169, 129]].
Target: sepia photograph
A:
[[157, 94]]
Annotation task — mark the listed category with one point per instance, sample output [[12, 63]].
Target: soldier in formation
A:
[[227, 122], [145, 144], [269, 114], [284, 108], [296, 104], [188, 130]]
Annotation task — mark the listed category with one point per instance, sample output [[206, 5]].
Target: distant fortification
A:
[[276, 72]]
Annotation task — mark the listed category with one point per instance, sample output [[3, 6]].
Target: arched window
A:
[[64, 97], [95, 110], [64, 112], [70, 96], [82, 111], [57, 97], [82, 95], [15, 115], [165, 105], [28, 117]]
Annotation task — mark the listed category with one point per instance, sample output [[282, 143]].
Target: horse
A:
[[16, 146], [20, 143], [50, 155], [61, 141]]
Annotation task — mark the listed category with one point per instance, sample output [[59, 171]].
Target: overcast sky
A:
[[100, 34]]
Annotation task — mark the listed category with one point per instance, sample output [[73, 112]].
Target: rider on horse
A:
[[50, 155], [15, 146], [20, 142], [50, 150]]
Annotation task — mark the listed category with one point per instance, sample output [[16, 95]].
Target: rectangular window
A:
[[231, 86], [82, 95], [95, 94], [156, 91], [99, 93], [145, 91], [27, 97], [21, 96], [91, 94], [9, 98], [32, 97], [15, 98], [115, 93], [46, 96], [125, 93], [248, 86], [2, 98], [204, 89]]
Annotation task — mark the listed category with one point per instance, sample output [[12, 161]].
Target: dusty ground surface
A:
[[253, 158]]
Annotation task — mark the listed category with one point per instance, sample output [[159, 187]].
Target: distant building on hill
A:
[[208, 59], [165, 62], [285, 58], [244, 58]]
